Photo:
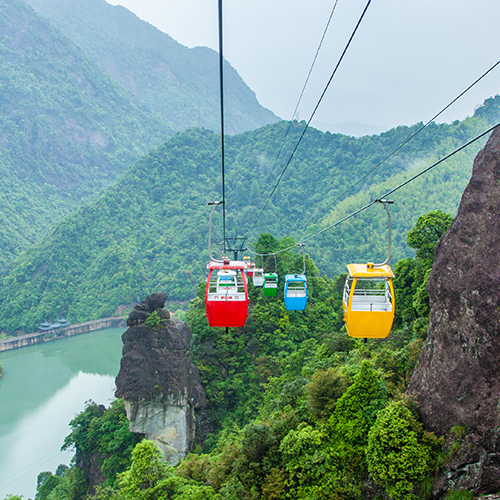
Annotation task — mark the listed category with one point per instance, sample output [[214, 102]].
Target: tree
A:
[[354, 414], [404, 288], [149, 477], [147, 470], [79, 428], [399, 453], [101, 435], [410, 284], [306, 460], [325, 388], [426, 233], [46, 482]]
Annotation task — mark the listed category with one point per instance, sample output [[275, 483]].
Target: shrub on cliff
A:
[[400, 453], [66, 483], [147, 469], [410, 284], [102, 435]]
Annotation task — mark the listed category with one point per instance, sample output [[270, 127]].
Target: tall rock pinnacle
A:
[[160, 385], [457, 380]]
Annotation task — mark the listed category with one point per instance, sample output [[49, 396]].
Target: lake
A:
[[44, 387]]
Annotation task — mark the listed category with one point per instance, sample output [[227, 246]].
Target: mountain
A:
[[294, 408], [67, 129], [179, 83], [149, 231]]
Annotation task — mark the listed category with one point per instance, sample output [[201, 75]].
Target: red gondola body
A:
[[226, 294], [250, 266]]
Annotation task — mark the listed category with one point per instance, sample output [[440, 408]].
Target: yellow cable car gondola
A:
[[368, 301]]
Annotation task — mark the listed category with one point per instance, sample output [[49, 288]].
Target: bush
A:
[[325, 388], [399, 452]]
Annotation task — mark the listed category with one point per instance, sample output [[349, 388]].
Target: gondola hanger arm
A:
[[215, 205], [385, 203]]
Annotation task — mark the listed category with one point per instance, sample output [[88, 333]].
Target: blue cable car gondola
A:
[[295, 292]]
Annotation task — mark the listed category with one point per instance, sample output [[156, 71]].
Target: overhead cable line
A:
[[221, 84], [385, 195], [312, 114], [339, 197], [301, 95], [435, 164], [315, 57]]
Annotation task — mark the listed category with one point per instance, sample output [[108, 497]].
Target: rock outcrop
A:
[[157, 380], [457, 380]]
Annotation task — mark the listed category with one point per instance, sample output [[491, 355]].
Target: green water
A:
[[44, 387]]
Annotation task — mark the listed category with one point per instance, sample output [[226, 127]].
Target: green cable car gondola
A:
[[270, 284], [271, 281]]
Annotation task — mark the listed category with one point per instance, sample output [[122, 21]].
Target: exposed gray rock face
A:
[[457, 380], [157, 380], [170, 423]]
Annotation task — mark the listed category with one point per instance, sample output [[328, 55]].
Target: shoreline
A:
[[67, 331]]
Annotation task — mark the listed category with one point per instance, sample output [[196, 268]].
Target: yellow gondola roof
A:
[[369, 270]]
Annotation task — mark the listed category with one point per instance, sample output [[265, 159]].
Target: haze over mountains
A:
[[179, 83], [67, 128]]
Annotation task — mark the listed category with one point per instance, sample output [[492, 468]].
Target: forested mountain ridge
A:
[[67, 130], [148, 231], [179, 83]]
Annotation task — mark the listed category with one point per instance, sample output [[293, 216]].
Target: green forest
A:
[[149, 231], [299, 409], [67, 129]]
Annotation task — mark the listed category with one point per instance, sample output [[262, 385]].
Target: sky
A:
[[407, 61]]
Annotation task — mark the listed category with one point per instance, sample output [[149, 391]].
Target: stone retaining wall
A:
[[68, 331]]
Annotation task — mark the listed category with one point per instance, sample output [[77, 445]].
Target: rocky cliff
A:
[[157, 380], [457, 380]]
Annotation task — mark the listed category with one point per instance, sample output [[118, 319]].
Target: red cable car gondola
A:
[[226, 294], [250, 266]]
